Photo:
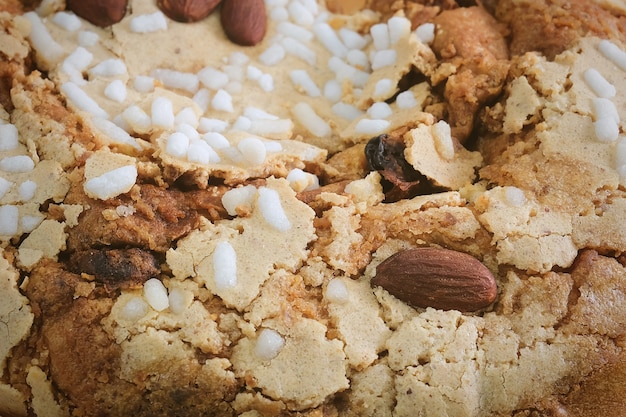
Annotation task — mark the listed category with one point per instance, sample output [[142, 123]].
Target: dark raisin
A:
[[385, 154]]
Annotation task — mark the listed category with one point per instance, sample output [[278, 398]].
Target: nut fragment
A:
[[187, 10], [99, 12], [438, 278], [244, 21]]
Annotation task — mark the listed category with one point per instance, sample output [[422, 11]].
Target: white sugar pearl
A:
[[380, 110], [78, 60], [255, 113], [425, 33], [111, 183], [305, 114], [135, 309], [143, 84], [177, 79], [606, 129], [67, 21], [188, 130], [268, 344], [88, 38], [383, 58], [242, 124], [18, 163], [358, 58], [27, 190], [613, 52], [383, 88], [346, 111], [442, 136], [279, 14], [155, 294], [333, 90], [177, 145], [299, 14], [216, 140], [327, 36], [406, 100], [9, 216], [225, 265], [116, 91], [272, 55], [603, 107], [42, 41], [253, 150], [272, 210], [5, 185], [300, 180], [137, 119], [114, 132], [238, 197], [352, 39], [336, 291], [29, 223], [112, 67], [399, 27], [82, 100], [202, 153], [213, 78], [380, 36], [514, 196], [371, 126], [179, 300], [210, 125], [238, 58], [295, 31], [8, 137], [188, 116], [266, 82], [146, 23], [598, 84], [303, 80], [299, 49], [163, 113], [223, 101], [253, 73]]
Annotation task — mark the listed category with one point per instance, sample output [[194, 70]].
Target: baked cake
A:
[[308, 208]]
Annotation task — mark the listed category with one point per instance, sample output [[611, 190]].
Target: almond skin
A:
[[101, 13], [244, 21], [187, 10], [440, 278]]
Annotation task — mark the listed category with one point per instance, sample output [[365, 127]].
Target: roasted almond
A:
[[438, 278], [244, 21], [101, 13], [187, 10]]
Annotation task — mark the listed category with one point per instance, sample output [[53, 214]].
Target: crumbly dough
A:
[[163, 299]]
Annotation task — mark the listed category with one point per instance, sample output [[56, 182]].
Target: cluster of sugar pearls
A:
[[606, 115], [301, 22], [12, 163], [155, 296], [224, 81], [607, 119], [266, 200]]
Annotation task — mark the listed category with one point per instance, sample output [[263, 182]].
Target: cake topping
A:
[[439, 278], [187, 10], [99, 12]]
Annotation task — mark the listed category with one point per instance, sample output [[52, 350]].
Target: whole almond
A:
[[187, 10], [244, 21], [101, 13], [438, 278]]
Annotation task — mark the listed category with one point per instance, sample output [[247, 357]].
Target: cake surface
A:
[[190, 226]]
